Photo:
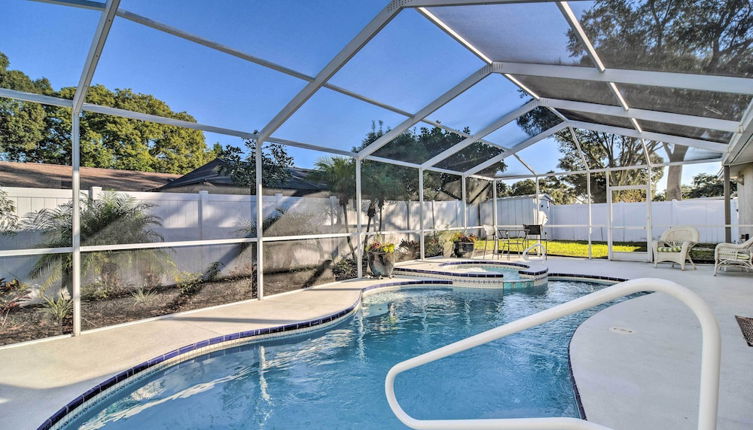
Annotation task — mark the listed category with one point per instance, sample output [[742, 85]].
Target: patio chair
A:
[[674, 246], [513, 239], [734, 255], [490, 233]]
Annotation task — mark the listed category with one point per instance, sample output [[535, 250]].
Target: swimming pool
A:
[[335, 378]]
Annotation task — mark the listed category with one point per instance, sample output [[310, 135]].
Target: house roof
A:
[[527, 197], [39, 175], [211, 174]]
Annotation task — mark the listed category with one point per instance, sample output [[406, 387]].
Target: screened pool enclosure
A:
[[394, 121]]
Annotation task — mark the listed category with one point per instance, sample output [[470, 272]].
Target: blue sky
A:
[[407, 65]]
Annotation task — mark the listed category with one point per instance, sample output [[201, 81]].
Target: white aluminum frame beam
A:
[[124, 113], [612, 169], [666, 138], [437, 3], [437, 103], [88, 107], [351, 49], [572, 20], [104, 24], [543, 135], [577, 145], [649, 115], [489, 129], [517, 148], [35, 98], [214, 45], [85, 4], [738, 141], [725, 84]]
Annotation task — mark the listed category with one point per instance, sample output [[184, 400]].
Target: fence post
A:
[[94, 193], [333, 211], [202, 206]]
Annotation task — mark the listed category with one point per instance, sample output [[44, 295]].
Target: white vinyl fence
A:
[[705, 214], [205, 216], [200, 216]]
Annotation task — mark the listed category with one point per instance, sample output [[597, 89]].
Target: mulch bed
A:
[[33, 322]]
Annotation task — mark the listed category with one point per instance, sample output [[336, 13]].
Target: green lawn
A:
[[579, 248]]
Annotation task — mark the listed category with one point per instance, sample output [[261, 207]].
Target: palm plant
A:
[[339, 174], [8, 217], [111, 220]]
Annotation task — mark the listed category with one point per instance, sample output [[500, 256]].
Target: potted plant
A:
[[463, 244], [411, 249], [381, 258]]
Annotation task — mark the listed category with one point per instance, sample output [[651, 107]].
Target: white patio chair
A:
[[734, 255], [490, 233], [674, 246]]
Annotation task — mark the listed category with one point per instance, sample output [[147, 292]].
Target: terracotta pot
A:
[[381, 263], [462, 248]]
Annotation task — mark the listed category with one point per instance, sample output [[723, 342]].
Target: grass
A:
[[574, 248], [579, 248]]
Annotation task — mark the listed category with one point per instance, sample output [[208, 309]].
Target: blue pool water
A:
[[334, 379], [509, 273]]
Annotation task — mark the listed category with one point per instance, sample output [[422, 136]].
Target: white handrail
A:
[[710, 357], [542, 252]]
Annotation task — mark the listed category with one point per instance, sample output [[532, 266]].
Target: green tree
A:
[[696, 36], [22, 125], [604, 150], [706, 185], [382, 182], [241, 167], [559, 190], [30, 132]]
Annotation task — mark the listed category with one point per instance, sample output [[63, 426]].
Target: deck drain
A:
[[621, 330]]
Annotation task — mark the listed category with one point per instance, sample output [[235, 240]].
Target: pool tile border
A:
[[529, 277], [104, 389], [111, 385]]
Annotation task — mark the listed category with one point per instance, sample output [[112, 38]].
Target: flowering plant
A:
[[462, 237], [386, 247]]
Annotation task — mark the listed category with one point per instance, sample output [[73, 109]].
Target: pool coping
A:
[[111, 385], [530, 275]]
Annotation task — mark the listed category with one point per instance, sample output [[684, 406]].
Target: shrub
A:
[[58, 308], [111, 220]]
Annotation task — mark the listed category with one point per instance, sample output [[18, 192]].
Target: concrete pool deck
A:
[[644, 380]]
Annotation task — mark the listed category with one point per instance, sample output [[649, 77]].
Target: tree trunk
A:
[[347, 230], [674, 173], [381, 217], [370, 212]]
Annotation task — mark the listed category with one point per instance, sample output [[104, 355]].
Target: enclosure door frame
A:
[[629, 256]]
